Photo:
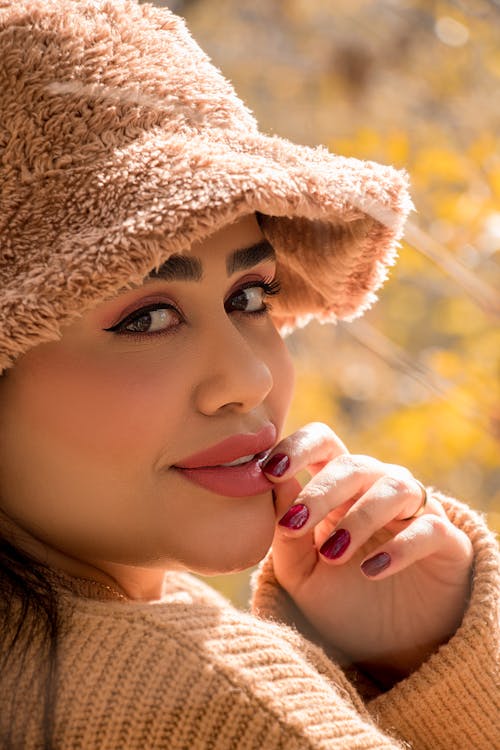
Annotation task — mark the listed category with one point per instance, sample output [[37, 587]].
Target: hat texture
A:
[[120, 144]]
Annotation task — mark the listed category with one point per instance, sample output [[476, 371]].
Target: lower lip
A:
[[231, 481]]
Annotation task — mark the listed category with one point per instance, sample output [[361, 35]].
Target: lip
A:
[[231, 448], [204, 468]]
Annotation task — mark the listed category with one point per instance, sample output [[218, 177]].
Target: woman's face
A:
[[94, 426]]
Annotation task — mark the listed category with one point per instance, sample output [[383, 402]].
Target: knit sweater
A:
[[190, 672]]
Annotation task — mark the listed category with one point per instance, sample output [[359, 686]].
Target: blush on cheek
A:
[[91, 408]]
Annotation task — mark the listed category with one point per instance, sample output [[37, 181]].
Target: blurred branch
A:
[[396, 357], [465, 7], [482, 293]]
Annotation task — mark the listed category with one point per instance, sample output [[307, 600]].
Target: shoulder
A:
[[191, 620], [192, 670]]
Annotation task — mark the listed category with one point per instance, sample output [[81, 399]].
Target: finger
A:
[[425, 536], [390, 498], [311, 447], [284, 495], [343, 480], [294, 558]]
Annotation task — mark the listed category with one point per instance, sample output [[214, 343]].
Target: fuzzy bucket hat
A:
[[121, 144]]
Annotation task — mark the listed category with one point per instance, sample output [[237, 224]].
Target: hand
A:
[[383, 585]]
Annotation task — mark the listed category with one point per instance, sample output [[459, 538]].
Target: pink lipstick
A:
[[245, 478]]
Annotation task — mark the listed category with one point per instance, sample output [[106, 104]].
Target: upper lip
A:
[[233, 447]]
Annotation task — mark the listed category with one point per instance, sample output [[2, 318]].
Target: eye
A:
[[155, 318], [252, 298]]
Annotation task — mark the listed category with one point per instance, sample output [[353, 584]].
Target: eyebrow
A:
[[190, 268], [247, 257], [178, 268]]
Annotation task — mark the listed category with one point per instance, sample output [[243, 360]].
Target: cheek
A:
[[283, 372], [79, 444], [88, 412]]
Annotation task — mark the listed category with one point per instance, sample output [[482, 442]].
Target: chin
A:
[[248, 562], [225, 564], [236, 552]]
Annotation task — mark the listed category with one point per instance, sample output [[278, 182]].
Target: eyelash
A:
[[270, 287]]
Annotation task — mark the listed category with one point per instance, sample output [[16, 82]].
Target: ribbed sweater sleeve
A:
[[453, 699]]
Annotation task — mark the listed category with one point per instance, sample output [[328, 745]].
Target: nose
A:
[[233, 373]]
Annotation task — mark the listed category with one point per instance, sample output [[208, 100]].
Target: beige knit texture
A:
[[453, 700], [191, 672], [121, 144]]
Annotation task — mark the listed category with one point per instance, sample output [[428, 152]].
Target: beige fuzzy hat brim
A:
[[78, 230]]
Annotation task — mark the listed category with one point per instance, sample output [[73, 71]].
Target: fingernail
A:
[[276, 465], [376, 564], [295, 517], [336, 545]]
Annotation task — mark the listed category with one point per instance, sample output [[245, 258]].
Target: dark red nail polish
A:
[[336, 545], [295, 517], [376, 564], [276, 465]]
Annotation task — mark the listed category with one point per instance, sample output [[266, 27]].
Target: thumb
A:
[[294, 558]]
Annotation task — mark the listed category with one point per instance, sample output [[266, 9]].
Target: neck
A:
[[130, 581], [138, 584]]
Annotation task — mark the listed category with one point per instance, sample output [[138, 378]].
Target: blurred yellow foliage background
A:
[[414, 83]]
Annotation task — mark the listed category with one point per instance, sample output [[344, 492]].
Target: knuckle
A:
[[396, 470], [432, 525], [396, 486], [352, 465], [320, 427], [365, 464], [364, 517], [321, 433], [355, 466], [344, 460], [345, 466], [438, 524], [316, 490]]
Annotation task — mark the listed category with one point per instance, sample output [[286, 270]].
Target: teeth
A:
[[238, 461], [263, 456]]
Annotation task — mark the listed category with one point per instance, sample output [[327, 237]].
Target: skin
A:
[[92, 425], [388, 623]]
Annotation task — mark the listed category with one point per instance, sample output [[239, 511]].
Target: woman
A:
[[154, 247]]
